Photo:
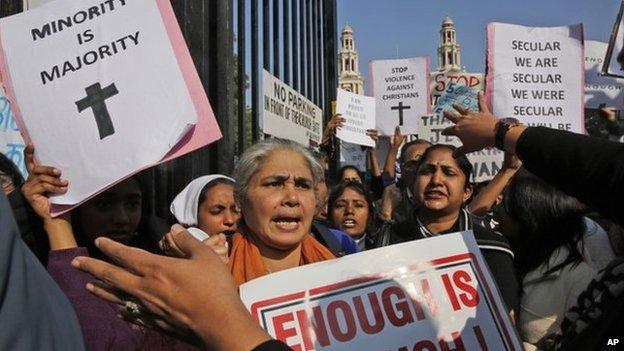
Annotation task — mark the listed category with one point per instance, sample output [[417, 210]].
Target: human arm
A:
[[486, 198], [395, 143], [502, 269], [218, 243], [612, 126], [328, 142], [169, 288], [589, 169], [372, 153], [44, 180]]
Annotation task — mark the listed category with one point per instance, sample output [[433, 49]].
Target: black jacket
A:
[[590, 169], [493, 245]]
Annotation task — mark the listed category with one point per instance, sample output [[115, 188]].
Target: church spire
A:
[[449, 55], [349, 77]]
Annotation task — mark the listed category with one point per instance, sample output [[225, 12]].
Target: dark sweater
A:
[[587, 168], [494, 247]]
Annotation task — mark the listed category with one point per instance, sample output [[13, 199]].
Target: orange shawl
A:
[[246, 261]]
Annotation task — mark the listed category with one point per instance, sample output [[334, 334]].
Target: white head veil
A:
[[184, 206]]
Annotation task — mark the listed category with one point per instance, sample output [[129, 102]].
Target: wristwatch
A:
[[502, 127]]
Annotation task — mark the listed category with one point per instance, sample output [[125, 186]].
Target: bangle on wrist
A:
[[502, 127]]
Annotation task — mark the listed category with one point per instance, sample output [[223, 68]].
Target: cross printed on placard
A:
[[96, 100], [400, 107]]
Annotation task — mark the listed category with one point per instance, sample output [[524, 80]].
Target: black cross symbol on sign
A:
[[96, 99], [400, 107]]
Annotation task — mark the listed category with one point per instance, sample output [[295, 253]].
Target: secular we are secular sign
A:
[[103, 88]]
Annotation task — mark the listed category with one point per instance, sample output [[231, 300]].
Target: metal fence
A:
[[231, 41]]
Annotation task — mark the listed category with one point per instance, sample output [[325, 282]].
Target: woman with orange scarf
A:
[[275, 189]]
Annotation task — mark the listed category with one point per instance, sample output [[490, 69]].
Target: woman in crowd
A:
[[441, 188], [275, 189], [544, 227], [337, 241], [117, 213], [207, 206], [351, 211], [350, 172]]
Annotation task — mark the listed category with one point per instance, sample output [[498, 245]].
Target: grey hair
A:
[[252, 159]]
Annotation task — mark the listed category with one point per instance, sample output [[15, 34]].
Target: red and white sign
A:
[[431, 294], [440, 82], [535, 74]]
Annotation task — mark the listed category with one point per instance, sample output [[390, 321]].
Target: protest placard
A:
[[31, 4], [359, 114], [535, 74], [352, 155], [11, 143], [440, 81], [287, 114], [87, 90], [600, 89], [401, 90], [430, 294], [485, 163], [615, 50]]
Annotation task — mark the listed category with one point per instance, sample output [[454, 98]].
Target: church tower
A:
[[349, 77], [449, 55]]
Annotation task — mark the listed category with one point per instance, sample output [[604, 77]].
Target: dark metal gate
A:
[[231, 41]]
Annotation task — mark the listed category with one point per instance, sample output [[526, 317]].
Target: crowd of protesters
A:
[[548, 226]]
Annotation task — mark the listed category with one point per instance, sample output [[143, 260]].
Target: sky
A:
[[411, 27]]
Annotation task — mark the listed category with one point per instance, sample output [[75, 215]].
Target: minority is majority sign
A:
[[103, 89]]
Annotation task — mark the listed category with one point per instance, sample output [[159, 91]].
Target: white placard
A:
[[440, 82], [485, 163], [31, 4], [535, 74], [600, 89], [102, 88], [352, 155], [289, 115], [401, 88], [359, 113], [428, 294]]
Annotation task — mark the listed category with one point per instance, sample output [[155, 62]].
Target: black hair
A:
[[409, 144], [29, 223], [462, 161], [547, 219], [10, 169], [359, 188], [202, 195], [342, 170], [150, 228]]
